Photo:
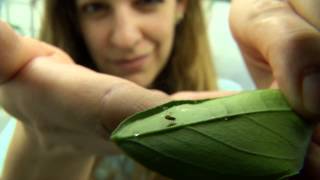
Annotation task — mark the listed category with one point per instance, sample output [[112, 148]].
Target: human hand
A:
[[281, 46], [309, 10], [64, 105]]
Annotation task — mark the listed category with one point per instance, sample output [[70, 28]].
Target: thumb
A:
[[16, 51], [275, 37]]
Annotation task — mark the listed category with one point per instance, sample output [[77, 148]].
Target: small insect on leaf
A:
[[170, 118]]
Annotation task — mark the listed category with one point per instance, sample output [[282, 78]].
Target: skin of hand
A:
[[67, 107], [280, 43], [309, 10]]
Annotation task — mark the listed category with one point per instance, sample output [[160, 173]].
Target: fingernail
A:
[[311, 92]]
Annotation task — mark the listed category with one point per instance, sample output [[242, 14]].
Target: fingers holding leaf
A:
[[279, 44]]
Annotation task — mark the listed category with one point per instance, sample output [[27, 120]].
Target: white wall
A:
[[21, 14], [227, 57]]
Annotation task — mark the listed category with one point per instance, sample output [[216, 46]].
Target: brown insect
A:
[[170, 118]]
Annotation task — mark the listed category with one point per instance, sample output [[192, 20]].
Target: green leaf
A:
[[252, 135]]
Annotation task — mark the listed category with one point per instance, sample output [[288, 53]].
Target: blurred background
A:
[[25, 17]]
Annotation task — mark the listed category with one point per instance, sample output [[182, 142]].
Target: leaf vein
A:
[[269, 129], [236, 147]]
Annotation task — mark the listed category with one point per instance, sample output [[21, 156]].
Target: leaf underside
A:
[[252, 135]]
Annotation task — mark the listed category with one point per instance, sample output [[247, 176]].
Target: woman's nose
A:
[[126, 32]]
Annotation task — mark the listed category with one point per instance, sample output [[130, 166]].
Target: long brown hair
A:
[[189, 67]]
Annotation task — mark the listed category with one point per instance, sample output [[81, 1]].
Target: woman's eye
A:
[[92, 8], [149, 3]]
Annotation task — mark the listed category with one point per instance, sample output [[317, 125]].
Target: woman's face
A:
[[131, 39]]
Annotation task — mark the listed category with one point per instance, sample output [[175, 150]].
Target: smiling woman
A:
[[140, 40], [129, 39]]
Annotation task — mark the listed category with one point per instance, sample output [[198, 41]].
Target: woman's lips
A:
[[132, 65]]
